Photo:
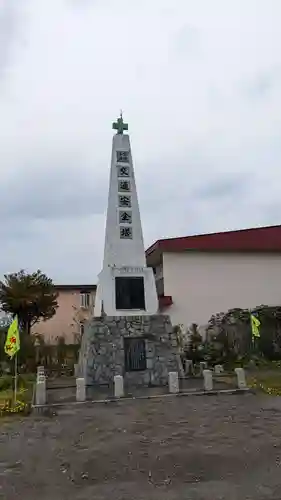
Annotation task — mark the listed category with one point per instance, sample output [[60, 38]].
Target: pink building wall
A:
[[68, 317]]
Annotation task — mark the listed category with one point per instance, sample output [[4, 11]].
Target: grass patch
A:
[[267, 382], [8, 393], [24, 394]]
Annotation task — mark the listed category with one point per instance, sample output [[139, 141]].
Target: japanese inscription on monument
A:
[[125, 217], [124, 186], [122, 156], [123, 171], [125, 201], [126, 232], [128, 270]]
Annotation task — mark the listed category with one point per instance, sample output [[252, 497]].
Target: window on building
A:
[[129, 293], [135, 354], [123, 156], [85, 299]]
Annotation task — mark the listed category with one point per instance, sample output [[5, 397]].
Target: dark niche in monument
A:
[[135, 355], [129, 293]]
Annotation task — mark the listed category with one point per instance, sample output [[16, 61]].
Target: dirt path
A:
[[217, 447]]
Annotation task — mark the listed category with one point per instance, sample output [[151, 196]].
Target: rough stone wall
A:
[[102, 350]]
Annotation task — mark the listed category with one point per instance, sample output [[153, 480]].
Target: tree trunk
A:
[[26, 325]]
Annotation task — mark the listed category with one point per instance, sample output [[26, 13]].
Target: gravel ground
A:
[[204, 447]]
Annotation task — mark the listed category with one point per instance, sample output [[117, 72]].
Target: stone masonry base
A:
[[102, 350]]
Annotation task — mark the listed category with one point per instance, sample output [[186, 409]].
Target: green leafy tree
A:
[[269, 342], [61, 349], [195, 346], [231, 331], [31, 296], [3, 334]]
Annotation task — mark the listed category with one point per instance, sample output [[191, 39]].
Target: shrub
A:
[[6, 382], [19, 407]]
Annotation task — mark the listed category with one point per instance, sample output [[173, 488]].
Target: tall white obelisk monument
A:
[[126, 286]]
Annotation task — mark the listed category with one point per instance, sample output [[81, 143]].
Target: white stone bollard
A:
[[203, 366], [118, 386], [218, 369], [40, 371], [40, 394], [241, 379], [173, 382], [208, 380], [80, 389]]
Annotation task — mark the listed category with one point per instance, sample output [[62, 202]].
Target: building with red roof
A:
[[196, 276], [201, 275]]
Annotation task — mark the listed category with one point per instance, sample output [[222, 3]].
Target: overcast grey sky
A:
[[200, 85]]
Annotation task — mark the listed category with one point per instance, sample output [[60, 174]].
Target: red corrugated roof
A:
[[260, 239]]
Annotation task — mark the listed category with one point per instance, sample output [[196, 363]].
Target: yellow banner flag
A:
[[12, 344], [255, 324]]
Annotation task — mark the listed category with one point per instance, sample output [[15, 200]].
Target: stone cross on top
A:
[[120, 126]]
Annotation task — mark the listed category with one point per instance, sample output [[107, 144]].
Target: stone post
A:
[[118, 386], [173, 382], [40, 394], [40, 370], [80, 390], [241, 379], [218, 369], [208, 380]]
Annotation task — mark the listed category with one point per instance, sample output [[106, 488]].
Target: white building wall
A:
[[202, 283]]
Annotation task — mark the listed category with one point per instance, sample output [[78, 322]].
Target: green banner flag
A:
[[255, 324], [12, 344]]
